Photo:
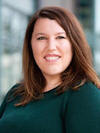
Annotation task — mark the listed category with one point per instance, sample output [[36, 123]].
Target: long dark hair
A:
[[78, 72]]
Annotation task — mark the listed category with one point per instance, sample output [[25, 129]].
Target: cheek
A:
[[37, 52], [66, 48], [67, 52]]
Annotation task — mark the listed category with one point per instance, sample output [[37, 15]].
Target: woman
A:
[[59, 92]]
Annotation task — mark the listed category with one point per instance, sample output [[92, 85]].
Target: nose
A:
[[51, 44]]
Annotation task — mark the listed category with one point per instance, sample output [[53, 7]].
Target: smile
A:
[[52, 58]]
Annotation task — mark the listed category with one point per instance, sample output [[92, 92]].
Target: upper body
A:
[[70, 112], [56, 56]]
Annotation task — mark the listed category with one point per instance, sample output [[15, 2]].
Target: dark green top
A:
[[71, 112]]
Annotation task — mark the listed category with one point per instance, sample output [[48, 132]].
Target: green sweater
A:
[[71, 112]]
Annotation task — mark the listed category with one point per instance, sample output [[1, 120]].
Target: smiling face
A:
[[51, 48]]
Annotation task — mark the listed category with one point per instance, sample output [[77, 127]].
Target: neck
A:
[[52, 83]]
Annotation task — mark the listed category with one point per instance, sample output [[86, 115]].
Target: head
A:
[[79, 66], [52, 50]]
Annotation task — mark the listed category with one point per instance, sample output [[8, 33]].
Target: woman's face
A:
[[51, 48]]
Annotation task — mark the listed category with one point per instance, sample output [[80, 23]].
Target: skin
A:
[[52, 50]]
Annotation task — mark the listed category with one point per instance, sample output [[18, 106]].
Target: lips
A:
[[52, 57]]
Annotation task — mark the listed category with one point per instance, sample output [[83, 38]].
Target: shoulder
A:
[[83, 109], [9, 94], [85, 99], [89, 86], [87, 91], [10, 91]]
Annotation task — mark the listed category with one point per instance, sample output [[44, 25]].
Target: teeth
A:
[[52, 58]]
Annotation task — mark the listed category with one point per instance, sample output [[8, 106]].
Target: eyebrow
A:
[[45, 33], [39, 34]]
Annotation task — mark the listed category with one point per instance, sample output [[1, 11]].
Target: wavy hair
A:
[[78, 72]]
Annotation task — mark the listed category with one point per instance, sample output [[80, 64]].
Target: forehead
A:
[[46, 24]]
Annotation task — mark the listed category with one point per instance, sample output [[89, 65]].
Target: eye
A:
[[60, 37], [41, 38]]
